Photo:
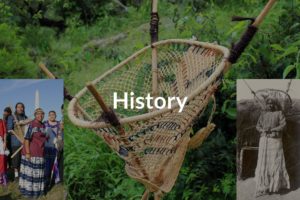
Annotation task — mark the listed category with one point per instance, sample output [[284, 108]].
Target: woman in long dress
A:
[[32, 180], [51, 152], [3, 177], [271, 174], [15, 142]]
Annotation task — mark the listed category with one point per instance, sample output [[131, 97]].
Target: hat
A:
[[38, 110]]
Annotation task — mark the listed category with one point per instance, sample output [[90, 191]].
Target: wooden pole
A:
[[113, 119], [238, 48], [19, 129], [51, 76], [146, 195], [263, 13], [13, 132], [154, 38], [97, 96], [46, 71], [17, 151]]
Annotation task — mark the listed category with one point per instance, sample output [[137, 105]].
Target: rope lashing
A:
[[67, 95], [239, 47], [154, 27], [111, 117]]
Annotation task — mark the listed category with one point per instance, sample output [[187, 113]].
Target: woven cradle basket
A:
[[282, 98], [155, 142]]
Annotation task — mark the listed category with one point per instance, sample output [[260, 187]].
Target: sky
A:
[[243, 91], [24, 90]]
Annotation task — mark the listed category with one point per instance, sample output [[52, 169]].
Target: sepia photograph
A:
[[268, 141]]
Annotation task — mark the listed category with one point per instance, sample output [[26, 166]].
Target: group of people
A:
[[32, 149]]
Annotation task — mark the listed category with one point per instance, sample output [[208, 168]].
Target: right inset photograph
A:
[[268, 139]]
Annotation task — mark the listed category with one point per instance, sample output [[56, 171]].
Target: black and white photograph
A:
[[268, 139]]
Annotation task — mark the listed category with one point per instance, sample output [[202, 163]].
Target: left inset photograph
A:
[[31, 139]]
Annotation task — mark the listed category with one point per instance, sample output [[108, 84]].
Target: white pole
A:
[[37, 99]]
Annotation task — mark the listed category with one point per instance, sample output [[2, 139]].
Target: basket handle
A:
[[239, 47]]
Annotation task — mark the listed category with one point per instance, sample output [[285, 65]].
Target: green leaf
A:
[[231, 113], [277, 47], [289, 51], [288, 70], [298, 71]]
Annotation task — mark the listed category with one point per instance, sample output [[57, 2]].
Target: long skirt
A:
[[32, 180], [50, 155], [3, 178], [271, 174]]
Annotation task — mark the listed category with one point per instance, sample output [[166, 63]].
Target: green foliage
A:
[[14, 59], [92, 171]]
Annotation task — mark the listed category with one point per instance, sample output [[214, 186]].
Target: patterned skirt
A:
[[32, 181]]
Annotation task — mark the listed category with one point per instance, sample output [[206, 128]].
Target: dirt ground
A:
[[11, 192], [246, 191]]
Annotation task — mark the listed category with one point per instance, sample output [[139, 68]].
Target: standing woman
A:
[[32, 181], [3, 178], [15, 143], [9, 121], [271, 174], [51, 150]]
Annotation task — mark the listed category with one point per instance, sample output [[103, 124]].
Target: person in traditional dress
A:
[[32, 178], [15, 142], [53, 130], [9, 121], [271, 174], [61, 152], [3, 164]]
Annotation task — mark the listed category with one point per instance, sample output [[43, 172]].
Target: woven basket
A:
[[281, 98], [156, 138], [153, 142]]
